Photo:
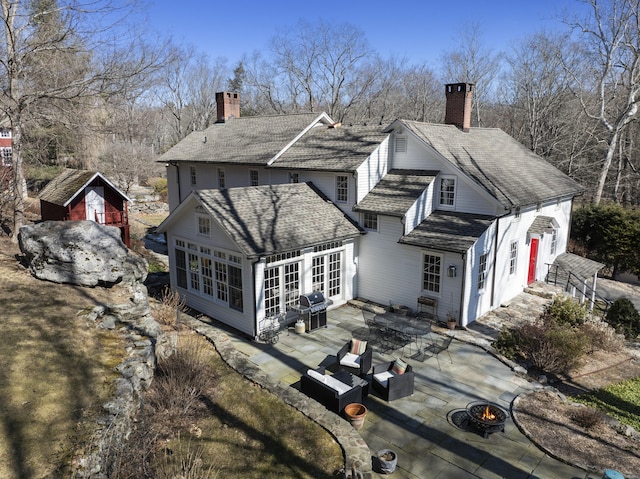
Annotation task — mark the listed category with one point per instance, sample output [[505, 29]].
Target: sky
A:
[[418, 30]]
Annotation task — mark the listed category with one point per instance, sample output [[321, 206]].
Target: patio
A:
[[428, 430]]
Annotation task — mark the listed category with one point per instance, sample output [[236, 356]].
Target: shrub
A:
[[588, 417], [171, 303], [566, 311], [160, 188], [602, 336], [624, 317], [547, 345]]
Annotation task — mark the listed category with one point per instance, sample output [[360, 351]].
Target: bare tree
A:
[[318, 66], [608, 88], [470, 61], [96, 55]]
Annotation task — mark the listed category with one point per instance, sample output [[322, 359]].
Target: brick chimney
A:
[[227, 105], [458, 111]]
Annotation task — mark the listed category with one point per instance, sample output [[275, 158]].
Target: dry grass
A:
[[595, 445], [231, 428], [57, 369]]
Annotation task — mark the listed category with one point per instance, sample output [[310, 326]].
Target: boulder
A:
[[80, 252]]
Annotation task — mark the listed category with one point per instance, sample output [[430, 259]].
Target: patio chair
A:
[[439, 346], [355, 356], [393, 380], [374, 328]]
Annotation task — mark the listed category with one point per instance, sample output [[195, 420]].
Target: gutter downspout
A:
[[174, 163], [495, 262], [462, 292]]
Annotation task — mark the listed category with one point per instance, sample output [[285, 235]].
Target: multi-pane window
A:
[[317, 273], [513, 257], [7, 159], [400, 144], [517, 213], [342, 188], [432, 273], [192, 175], [482, 271], [334, 273], [181, 265], [221, 179], [254, 179], [370, 221], [294, 177], [291, 283], [447, 191], [271, 291], [5, 133], [204, 225], [209, 272], [554, 241]]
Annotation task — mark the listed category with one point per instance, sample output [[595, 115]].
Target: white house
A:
[[264, 209]]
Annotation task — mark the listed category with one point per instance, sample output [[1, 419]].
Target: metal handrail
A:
[[575, 283]]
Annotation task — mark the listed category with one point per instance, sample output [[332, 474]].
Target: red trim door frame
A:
[[533, 257]]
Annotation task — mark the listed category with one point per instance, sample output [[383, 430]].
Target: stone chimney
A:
[[458, 111], [227, 105]]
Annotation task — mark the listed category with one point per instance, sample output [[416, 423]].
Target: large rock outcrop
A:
[[80, 252]]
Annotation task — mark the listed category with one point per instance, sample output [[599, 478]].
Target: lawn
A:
[[620, 400]]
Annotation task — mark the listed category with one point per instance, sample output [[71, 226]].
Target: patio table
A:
[[413, 328]]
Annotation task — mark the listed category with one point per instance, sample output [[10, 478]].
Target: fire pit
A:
[[486, 416]]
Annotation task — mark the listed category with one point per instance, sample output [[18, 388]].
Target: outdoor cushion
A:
[[399, 366], [317, 375], [358, 347], [350, 360], [383, 377]]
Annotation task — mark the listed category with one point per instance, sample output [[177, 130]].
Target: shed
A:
[[85, 195]]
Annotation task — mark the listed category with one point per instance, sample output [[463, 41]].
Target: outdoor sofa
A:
[[328, 391]]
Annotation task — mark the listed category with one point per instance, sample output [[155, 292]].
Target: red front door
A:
[[532, 261]]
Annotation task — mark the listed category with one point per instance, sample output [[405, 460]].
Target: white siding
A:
[[422, 208], [372, 170], [478, 302]]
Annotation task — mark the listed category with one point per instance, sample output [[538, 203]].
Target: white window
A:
[[215, 274], [281, 283], [5, 133], [342, 189], [554, 241], [294, 177], [204, 225], [400, 144], [482, 271], [513, 257], [221, 180], [517, 213], [538, 207], [432, 273], [7, 159], [326, 271], [192, 175], [370, 221], [447, 191], [253, 178]]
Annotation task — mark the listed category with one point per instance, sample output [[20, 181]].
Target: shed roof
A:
[[70, 183], [396, 192], [342, 148], [270, 219], [245, 140], [448, 231], [502, 166]]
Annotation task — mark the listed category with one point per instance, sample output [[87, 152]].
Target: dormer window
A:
[[448, 191]]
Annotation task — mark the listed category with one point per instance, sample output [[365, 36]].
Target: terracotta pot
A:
[[451, 324], [355, 413]]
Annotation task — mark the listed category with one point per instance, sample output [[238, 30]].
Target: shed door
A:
[[532, 260], [94, 202]]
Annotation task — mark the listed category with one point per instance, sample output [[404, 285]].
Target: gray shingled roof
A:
[[396, 192], [582, 267], [264, 220], [506, 169], [244, 140], [448, 231], [64, 187], [542, 224], [332, 149]]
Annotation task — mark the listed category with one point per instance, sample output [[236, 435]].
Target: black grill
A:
[[313, 309]]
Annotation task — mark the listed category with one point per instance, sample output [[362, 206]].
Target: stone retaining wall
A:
[[356, 451]]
